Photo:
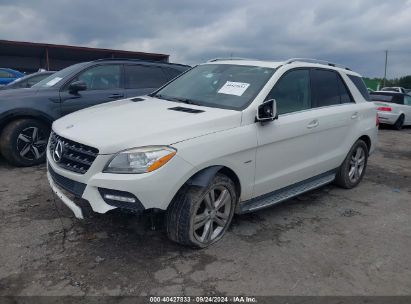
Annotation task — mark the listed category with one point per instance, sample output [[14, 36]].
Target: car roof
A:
[[277, 64]]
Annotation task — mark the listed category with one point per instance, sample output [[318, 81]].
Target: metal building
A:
[[30, 57]]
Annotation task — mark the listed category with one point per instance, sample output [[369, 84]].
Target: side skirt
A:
[[280, 195]]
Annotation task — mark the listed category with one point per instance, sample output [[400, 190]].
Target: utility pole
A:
[[385, 69]]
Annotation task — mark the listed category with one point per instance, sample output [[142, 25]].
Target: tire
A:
[[346, 178], [23, 142], [399, 123], [191, 208]]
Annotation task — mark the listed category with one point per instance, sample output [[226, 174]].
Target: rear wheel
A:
[[23, 142], [400, 122], [353, 168], [199, 217]]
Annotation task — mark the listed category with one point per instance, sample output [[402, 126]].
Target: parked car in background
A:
[[27, 114], [394, 89], [27, 81], [393, 108], [9, 75], [227, 136]]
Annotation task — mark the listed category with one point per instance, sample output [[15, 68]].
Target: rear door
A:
[[338, 116], [104, 84], [143, 79]]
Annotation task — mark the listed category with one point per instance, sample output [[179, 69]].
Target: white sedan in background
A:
[[393, 108]]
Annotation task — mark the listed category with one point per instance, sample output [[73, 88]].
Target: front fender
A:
[[204, 177]]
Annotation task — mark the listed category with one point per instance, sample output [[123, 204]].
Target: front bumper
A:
[[387, 117], [152, 190]]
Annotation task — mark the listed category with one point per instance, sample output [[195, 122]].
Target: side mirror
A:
[[267, 111], [77, 86]]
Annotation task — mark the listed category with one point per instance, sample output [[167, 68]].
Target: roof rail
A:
[[310, 60], [229, 58], [138, 59]]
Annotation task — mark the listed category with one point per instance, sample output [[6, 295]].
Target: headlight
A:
[[140, 160]]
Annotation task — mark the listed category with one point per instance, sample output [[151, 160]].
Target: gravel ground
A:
[[327, 242]]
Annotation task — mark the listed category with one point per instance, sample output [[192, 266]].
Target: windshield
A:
[[218, 85], [58, 76]]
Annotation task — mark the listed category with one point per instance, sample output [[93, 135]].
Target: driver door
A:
[[104, 83], [287, 147]]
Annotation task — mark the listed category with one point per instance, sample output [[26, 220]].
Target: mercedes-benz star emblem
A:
[[58, 152]]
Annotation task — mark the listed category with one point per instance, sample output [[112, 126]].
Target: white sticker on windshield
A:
[[53, 81], [234, 88]]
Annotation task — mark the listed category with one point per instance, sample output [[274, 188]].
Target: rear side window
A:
[[328, 88], [141, 77], [359, 83], [407, 100]]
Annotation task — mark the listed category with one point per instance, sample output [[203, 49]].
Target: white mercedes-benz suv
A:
[[228, 136]]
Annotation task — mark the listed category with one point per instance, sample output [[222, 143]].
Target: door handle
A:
[[354, 116], [114, 96], [313, 124]]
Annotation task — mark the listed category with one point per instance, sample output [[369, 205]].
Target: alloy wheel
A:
[[357, 164], [212, 214], [31, 143]]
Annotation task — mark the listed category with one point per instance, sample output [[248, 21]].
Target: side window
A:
[[292, 92], [5, 74], [359, 83], [407, 100], [141, 77], [345, 96], [33, 80], [101, 77], [172, 73], [325, 88]]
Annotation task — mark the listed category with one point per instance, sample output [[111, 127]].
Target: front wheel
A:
[[199, 217], [23, 142], [353, 168]]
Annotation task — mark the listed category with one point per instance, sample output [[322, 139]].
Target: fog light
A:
[[120, 198]]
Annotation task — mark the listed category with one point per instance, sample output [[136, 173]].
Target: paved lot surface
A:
[[328, 242]]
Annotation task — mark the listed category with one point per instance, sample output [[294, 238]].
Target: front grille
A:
[[74, 157], [75, 188]]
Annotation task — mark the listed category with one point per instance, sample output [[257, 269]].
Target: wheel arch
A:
[[13, 115], [367, 140], [203, 177]]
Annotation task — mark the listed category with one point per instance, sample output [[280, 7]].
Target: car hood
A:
[[124, 124]]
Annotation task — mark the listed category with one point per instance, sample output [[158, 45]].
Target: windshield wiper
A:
[[177, 99], [185, 100]]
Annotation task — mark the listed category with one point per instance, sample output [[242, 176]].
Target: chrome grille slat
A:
[[76, 157]]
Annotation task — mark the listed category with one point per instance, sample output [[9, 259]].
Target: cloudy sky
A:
[[351, 32]]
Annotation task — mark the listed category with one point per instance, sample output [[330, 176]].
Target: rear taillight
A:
[[377, 120], [387, 109]]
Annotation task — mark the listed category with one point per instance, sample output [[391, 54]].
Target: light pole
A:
[[385, 69]]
